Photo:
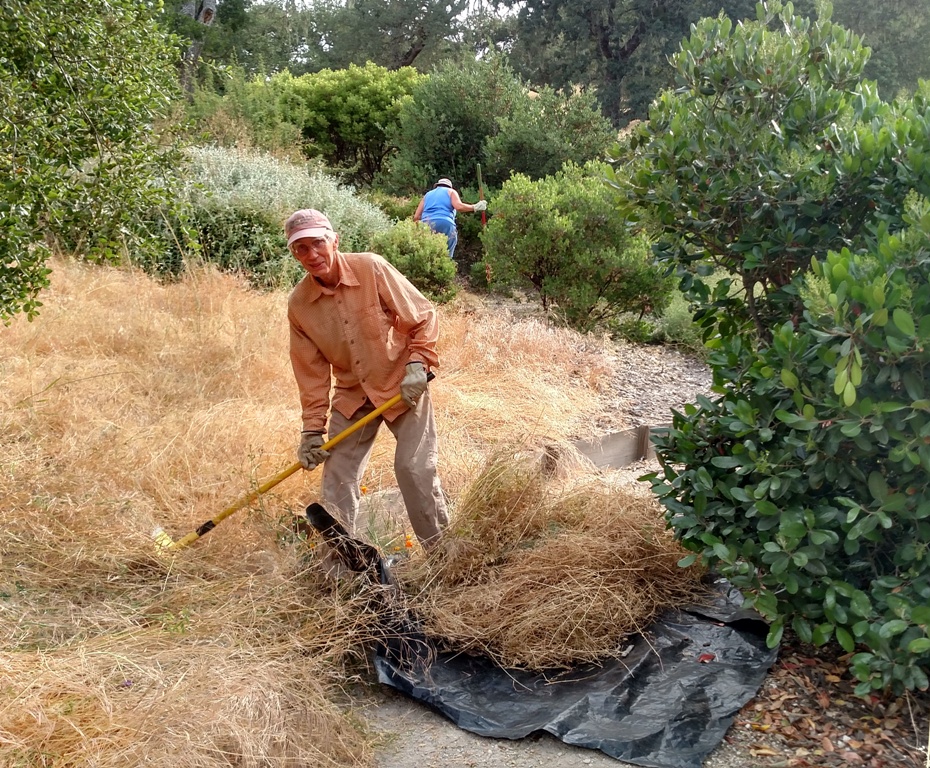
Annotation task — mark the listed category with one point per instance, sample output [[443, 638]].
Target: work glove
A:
[[481, 205], [310, 454], [414, 383]]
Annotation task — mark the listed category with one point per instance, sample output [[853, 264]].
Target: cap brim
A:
[[311, 232]]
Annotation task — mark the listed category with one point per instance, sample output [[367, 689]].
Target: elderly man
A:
[[355, 318]]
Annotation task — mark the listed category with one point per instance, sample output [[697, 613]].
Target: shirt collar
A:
[[347, 278]]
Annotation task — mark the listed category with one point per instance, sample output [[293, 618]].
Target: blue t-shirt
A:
[[437, 205]]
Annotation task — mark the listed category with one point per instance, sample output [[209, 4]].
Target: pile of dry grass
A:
[[550, 568], [129, 404]]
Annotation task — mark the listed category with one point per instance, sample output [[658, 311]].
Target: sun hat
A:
[[444, 183], [306, 223]]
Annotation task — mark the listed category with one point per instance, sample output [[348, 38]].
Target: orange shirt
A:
[[363, 331]]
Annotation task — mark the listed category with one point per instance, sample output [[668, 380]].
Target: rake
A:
[[164, 542]]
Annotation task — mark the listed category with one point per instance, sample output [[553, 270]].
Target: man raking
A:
[[356, 319]]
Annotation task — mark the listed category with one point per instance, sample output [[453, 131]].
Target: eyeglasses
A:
[[304, 246]]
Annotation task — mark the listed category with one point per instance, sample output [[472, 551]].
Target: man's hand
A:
[[310, 454], [481, 205], [414, 383]]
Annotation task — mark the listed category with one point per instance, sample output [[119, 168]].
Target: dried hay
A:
[[549, 570], [146, 699], [130, 403], [114, 656]]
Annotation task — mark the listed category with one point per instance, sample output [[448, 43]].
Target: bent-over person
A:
[[357, 320]]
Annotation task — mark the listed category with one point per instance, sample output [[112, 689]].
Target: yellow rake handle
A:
[[208, 526]]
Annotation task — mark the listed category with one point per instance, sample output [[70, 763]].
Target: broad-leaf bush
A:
[[806, 482], [562, 236], [421, 255], [83, 89], [753, 164]]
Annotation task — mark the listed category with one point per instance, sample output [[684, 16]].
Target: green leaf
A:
[[795, 421], [802, 628], [849, 394], [861, 604], [863, 689], [845, 639], [687, 560], [903, 321], [891, 628], [789, 379], [775, 633], [920, 645], [839, 383], [851, 430], [822, 634], [878, 487]]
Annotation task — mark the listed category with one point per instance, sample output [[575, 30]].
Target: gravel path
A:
[[647, 383], [417, 737]]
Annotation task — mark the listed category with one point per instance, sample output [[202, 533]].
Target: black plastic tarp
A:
[[667, 702]]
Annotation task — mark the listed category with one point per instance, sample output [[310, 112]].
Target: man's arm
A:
[[419, 211], [459, 204], [413, 314], [314, 376]]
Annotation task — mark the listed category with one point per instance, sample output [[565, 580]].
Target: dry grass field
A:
[[131, 404]]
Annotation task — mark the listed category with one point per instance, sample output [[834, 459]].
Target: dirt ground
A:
[[416, 736]]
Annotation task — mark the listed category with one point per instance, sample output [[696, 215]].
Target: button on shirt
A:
[[363, 331]]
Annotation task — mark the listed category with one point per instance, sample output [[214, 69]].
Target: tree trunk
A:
[[203, 11]]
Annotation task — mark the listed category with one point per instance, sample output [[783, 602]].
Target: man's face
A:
[[315, 254]]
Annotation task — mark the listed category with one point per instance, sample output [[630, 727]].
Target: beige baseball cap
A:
[[306, 223]]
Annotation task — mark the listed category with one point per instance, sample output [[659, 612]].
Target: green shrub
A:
[[480, 276], [443, 128], [394, 207], [469, 249], [675, 324], [805, 483], [480, 112], [752, 164], [562, 235], [236, 204], [421, 255], [242, 237], [345, 116], [544, 133], [243, 116]]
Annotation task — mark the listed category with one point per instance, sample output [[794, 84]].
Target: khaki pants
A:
[[415, 460]]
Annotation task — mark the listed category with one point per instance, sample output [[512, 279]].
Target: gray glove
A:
[[481, 205], [414, 383], [310, 453]]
